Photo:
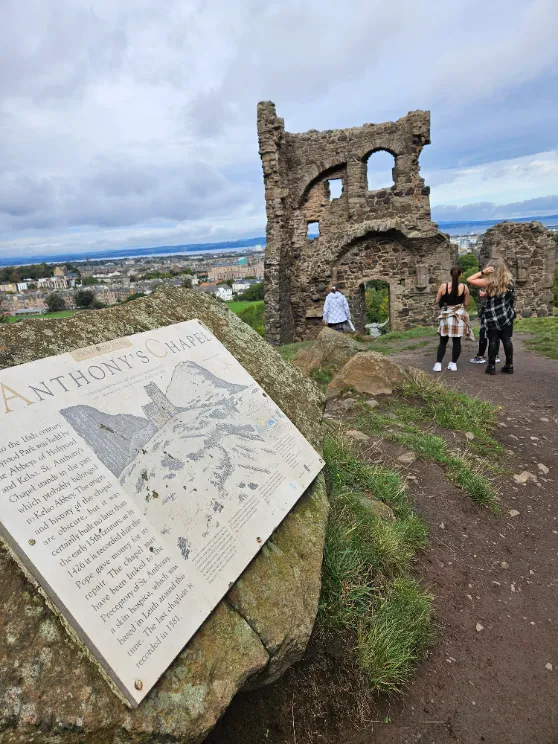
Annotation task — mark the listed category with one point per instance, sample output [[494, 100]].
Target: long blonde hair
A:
[[500, 279]]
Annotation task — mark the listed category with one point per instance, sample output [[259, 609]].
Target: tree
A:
[[89, 281], [255, 292], [55, 302], [467, 262], [135, 296], [84, 298], [187, 283], [377, 301]]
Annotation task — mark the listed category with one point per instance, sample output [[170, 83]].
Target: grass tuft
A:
[[367, 559], [544, 335], [397, 637], [398, 425]]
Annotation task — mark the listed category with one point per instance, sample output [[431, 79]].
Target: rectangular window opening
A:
[[313, 230], [335, 188]]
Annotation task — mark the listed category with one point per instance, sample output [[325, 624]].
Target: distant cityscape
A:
[[109, 282], [224, 270]]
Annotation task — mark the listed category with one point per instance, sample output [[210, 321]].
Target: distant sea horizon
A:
[[465, 227]]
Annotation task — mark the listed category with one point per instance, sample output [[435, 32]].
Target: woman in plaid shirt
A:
[[499, 311]]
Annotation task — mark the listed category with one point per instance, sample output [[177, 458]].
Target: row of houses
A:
[[33, 302]]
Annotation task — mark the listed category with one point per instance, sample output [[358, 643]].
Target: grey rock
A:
[[56, 694]]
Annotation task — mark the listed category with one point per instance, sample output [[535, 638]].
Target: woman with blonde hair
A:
[[499, 312]]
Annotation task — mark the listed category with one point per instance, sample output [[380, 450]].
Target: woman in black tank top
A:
[[453, 297]]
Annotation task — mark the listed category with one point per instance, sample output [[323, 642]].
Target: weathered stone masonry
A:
[[529, 250], [385, 234]]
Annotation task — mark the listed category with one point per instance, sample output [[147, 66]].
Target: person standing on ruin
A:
[[336, 310], [453, 322]]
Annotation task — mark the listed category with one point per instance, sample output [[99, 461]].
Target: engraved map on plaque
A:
[[138, 478]]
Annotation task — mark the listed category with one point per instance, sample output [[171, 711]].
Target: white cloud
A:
[[115, 116], [517, 179]]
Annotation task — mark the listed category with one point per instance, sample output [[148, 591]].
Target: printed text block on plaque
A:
[[138, 478]]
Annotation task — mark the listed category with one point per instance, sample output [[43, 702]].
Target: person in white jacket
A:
[[336, 310]]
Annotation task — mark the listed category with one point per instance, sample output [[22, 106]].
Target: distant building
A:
[[222, 291], [59, 271], [242, 285], [223, 273]]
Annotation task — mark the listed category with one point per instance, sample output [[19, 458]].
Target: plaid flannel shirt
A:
[[499, 311]]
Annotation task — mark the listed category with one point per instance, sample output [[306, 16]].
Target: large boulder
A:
[[50, 691], [331, 349], [367, 372]]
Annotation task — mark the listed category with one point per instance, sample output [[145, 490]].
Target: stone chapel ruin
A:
[[315, 238], [529, 250], [384, 234]]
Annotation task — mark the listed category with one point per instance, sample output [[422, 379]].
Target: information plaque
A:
[[138, 478]]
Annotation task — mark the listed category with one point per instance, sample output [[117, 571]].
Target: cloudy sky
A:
[[133, 122]]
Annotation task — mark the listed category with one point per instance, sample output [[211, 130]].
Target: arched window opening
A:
[[313, 230], [379, 170], [335, 188]]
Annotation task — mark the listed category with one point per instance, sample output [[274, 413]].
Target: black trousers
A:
[[455, 349], [483, 341], [338, 326], [494, 337]]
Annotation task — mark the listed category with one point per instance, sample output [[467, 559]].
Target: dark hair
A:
[[455, 274]]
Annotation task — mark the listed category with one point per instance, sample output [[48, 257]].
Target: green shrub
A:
[[254, 316]]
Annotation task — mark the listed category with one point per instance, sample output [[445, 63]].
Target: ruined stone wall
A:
[[529, 250], [381, 234]]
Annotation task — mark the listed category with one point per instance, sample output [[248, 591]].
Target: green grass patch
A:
[[544, 333], [398, 637], [59, 314], [252, 314], [289, 351], [417, 332], [397, 425], [237, 305], [452, 410], [322, 375], [367, 560]]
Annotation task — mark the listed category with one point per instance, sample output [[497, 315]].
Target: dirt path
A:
[[488, 677]]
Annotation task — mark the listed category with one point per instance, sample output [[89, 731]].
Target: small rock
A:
[[469, 435], [502, 425], [544, 419], [358, 435], [407, 458], [372, 403], [544, 470], [524, 476], [512, 587], [479, 627], [378, 508], [412, 477], [513, 513], [505, 565], [442, 526], [548, 666]]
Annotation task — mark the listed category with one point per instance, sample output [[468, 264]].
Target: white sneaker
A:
[[437, 367], [452, 366]]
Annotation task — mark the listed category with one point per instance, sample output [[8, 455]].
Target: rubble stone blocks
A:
[[384, 234], [529, 250]]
